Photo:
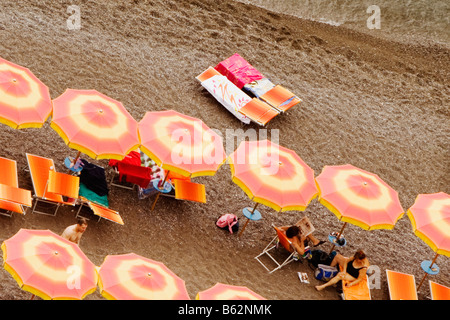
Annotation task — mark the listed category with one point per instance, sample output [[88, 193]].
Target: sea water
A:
[[423, 21]]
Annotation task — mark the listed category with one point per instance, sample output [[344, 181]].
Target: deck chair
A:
[[438, 291], [280, 98], [402, 286], [360, 291], [49, 186], [235, 100], [126, 175], [12, 198], [285, 243], [100, 211]]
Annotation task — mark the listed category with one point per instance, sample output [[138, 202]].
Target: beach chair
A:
[[12, 198], [126, 176], [50, 187], [360, 291], [236, 101], [438, 291], [279, 240], [402, 286], [100, 211]]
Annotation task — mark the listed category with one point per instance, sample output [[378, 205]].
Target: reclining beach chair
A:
[[12, 198], [100, 211], [360, 291], [250, 80], [402, 286], [279, 239], [128, 172], [438, 291], [235, 100], [49, 186]]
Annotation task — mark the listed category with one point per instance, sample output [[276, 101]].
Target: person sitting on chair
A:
[[299, 241], [354, 269]]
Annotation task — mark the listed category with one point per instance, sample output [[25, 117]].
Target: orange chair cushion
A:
[[439, 292], [106, 213], [277, 95], [402, 286], [63, 184], [258, 111], [15, 195], [208, 73], [186, 190]]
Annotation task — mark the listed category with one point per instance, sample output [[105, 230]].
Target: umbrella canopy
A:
[[273, 175], [48, 265], [133, 277], [94, 124], [222, 291], [24, 100], [359, 197], [430, 219], [180, 143]]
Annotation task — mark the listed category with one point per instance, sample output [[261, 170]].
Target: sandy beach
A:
[[377, 104]]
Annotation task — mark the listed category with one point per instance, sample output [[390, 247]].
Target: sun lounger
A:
[[249, 79], [190, 191], [279, 240], [100, 211], [129, 172], [359, 291], [438, 291], [39, 168], [235, 100], [12, 199], [402, 286]]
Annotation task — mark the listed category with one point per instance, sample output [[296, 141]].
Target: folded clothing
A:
[[92, 196], [94, 178], [238, 70]]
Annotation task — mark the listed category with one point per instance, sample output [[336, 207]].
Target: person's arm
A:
[[362, 274]]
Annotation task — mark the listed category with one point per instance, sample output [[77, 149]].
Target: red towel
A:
[[133, 157], [135, 174]]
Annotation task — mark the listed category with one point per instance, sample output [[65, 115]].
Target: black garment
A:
[[94, 178], [351, 270]]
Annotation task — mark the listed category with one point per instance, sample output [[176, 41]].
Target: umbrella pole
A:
[[338, 236], [426, 274], [248, 220], [75, 160], [159, 193]]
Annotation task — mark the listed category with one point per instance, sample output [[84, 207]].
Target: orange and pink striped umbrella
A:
[[94, 124], [24, 100], [133, 277], [430, 219], [48, 265], [359, 197], [181, 143], [273, 175], [222, 291]]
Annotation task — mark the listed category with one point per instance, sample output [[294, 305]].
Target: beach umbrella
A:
[[358, 197], [133, 277], [271, 175], [48, 265], [180, 143], [94, 124], [430, 219], [24, 100], [222, 291]]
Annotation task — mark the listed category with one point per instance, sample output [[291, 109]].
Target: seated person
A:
[[299, 241], [354, 269]]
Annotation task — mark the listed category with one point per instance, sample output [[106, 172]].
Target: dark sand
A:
[[377, 104]]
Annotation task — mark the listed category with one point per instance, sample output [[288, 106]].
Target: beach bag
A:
[[320, 257], [229, 222], [325, 272]]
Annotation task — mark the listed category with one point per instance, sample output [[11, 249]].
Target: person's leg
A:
[[340, 276], [314, 240], [338, 259]]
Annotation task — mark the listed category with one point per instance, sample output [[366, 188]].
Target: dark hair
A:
[[292, 231], [81, 221], [360, 255]]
